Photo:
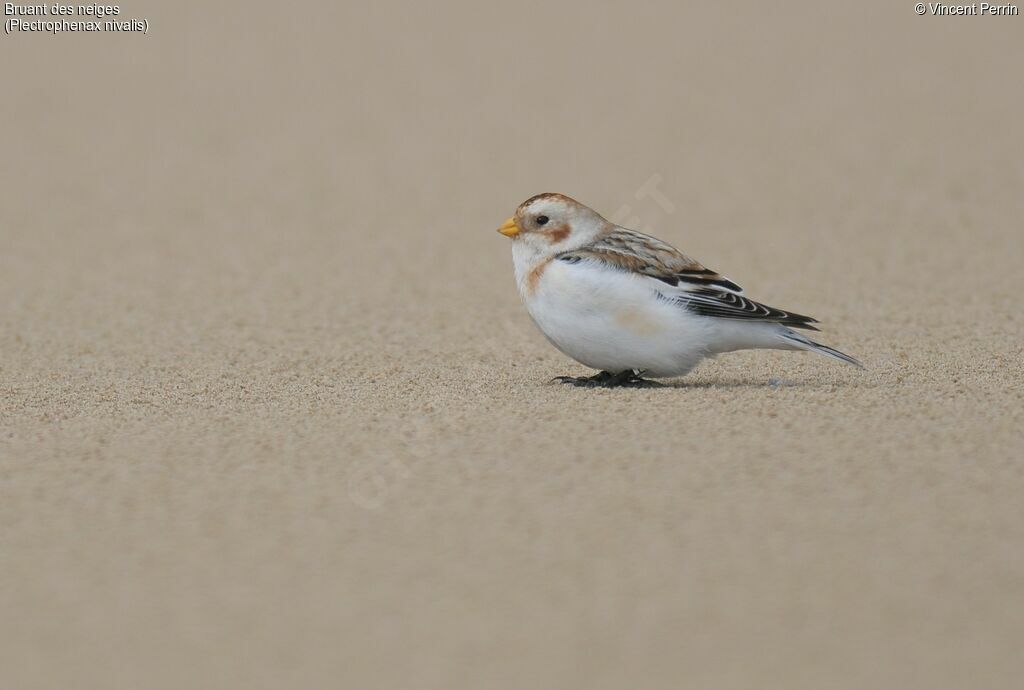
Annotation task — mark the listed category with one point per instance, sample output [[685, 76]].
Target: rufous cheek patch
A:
[[557, 234]]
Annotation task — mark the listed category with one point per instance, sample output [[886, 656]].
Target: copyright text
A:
[[976, 9]]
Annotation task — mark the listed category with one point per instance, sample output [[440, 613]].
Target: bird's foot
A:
[[631, 378], [600, 379]]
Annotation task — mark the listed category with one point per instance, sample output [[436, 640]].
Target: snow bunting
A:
[[628, 304]]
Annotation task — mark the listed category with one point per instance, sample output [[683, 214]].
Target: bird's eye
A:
[[542, 220]]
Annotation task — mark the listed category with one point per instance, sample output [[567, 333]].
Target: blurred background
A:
[[271, 413]]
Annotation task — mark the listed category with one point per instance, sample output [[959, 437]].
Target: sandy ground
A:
[[272, 415]]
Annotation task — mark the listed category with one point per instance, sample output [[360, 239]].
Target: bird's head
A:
[[552, 223]]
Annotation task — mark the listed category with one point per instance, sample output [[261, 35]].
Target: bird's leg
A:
[[631, 378], [599, 379]]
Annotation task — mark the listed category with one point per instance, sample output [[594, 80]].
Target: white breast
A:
[[609, 319]]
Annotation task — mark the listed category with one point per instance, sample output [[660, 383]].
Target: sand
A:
[[273, 416]]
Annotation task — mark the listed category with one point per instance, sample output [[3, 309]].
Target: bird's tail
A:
[[802, 342]]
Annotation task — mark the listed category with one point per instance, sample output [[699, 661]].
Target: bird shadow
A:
[[759, 384], [724, 384]]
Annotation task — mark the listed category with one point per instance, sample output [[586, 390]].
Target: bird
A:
[[630, 305]]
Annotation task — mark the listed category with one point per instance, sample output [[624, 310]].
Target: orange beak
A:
[[509, 228]]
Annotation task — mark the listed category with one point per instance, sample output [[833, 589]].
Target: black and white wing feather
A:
[[730, 305], [697, 287]]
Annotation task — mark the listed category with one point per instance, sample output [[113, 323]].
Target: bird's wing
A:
[[697, 288], [639, 253]]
